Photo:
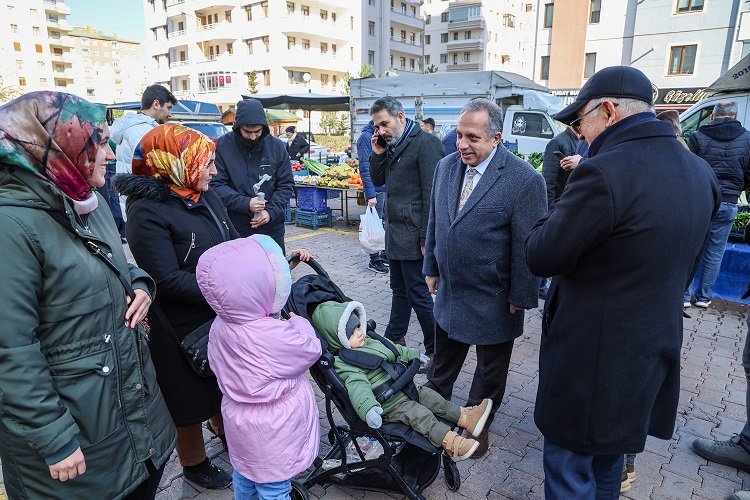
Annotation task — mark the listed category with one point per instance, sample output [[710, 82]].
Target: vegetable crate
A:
[[312, 199], [314, 219]]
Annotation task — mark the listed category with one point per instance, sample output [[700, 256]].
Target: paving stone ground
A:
[[712, 401]]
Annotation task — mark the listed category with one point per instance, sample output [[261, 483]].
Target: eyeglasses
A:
[[576, 124]]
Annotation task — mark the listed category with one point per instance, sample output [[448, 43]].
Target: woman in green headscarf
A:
[[81, 414]]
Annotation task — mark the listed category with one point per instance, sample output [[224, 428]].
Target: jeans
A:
[[410, 292], [745, 434], [571, 475], [718, 233], [246, 489]]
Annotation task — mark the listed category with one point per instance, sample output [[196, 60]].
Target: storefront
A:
[[679, 99]]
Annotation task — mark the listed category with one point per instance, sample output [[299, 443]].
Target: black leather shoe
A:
[[207, 476]]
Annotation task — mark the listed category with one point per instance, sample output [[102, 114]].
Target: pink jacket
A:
[[269, 408]]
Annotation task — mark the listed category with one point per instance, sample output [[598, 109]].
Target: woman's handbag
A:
[[195, 348]]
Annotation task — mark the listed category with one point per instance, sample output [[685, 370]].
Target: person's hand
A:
[[263, 218], [514, 309], [69, 468], [376, 148], [304, 256], [372, 202], [432, 283], [137, 308], [570, 162], [373, 418], [423, 358], [256, 205], [421, 247]]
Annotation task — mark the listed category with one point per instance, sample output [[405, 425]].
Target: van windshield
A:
[[697, 119]]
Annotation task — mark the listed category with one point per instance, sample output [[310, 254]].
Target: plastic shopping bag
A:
[[371, 232]]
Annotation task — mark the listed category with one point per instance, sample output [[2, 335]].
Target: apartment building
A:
[[105, 68], [210, 51], [478, 35], [681, 45], [34, 45]]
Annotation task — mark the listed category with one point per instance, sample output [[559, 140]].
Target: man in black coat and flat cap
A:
[[621, 244]]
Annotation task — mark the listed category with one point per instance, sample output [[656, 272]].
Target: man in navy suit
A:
[[484, 203]]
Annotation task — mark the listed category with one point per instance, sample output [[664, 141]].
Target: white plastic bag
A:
[[371, 232]]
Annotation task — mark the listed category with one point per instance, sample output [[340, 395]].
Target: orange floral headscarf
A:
[[176, 155]]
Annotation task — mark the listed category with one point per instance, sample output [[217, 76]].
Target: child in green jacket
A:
[[343, 325]]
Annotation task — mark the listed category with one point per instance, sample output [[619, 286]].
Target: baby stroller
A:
[[409, 462]]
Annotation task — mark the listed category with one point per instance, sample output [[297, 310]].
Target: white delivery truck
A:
[[734, 85], [526, 105]]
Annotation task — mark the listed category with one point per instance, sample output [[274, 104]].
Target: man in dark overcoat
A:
[[404, 159], [484, 202], [621, 244]]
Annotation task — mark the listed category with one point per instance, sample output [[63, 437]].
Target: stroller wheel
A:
[[299, 492], [452, 476]]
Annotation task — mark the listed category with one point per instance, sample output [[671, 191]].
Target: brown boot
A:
[[458, 447], [473, 418]]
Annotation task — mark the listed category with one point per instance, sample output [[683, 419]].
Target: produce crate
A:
[[289, 214], [314, 219], [304, 171], [312, 199]]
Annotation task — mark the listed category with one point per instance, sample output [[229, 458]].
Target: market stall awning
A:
[[281, 115], [734, 80], [306, 100]]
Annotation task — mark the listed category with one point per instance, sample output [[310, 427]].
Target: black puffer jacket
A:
[[725, 144], [167, 234]]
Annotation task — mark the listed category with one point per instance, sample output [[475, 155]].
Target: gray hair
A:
[[495, 122], [725, 109], [625, 105], [387, 103]]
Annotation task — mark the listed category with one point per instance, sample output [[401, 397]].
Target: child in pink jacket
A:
[[269, 409]]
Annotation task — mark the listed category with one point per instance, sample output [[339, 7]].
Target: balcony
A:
[[175, 34], [58, 7], [407, 46], [475, 23], [463, 45], [60, 24], [64, 58], [313, 59], [182, 94], [223, 30], [406, 19], [465, 66], [61, 41], [174, 7], [298, 25], [177, 64]]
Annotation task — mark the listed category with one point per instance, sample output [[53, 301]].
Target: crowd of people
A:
[[471, 232]]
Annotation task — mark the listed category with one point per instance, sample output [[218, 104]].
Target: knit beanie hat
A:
[[352, 324]]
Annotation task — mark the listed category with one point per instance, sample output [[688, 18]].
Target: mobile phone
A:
[[559, 155], [381, 142]]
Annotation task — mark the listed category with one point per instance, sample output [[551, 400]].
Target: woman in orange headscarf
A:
[[172, 219]]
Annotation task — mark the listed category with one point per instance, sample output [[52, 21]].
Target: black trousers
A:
[[410, 292], [147, 489], [490, 375]]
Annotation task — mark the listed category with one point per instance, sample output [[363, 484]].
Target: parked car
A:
[[214, 130]]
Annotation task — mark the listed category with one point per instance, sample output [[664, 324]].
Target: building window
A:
[[590, 65], [596, 9], [427, 59], [682, 59], [443, 58], [443, 37], [305, 10], [90, 92], [455, 35], [529, 7], [333, 49], [467, 57], [323, 48], [290, 7], [467, 35], [333, 17], [230, 49], [371, 28], [428, 19], [305, 44], [371, 2], [684, 6], [427, 39], [14, 28], [38, 48], [412, 64], [545, 68], [351, 53], [402, 62], [549, 9], [264, 8], [41, 65], [249, 12], [335, 80], [19, 63], [455, 59], [323, 79], [290, 41], [444, 17], [323, 15], [509, 20], [228, 16], [413, 38], [10, 10], [43, 82], [22, 81], [266, 44], [505, 58], [371, 57], [266, 77]]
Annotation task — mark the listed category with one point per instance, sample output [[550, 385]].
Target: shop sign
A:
[[679, 96]]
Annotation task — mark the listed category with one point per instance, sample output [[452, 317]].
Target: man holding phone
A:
[[404, 159]]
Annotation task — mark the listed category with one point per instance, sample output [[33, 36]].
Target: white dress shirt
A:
[[480, 170]]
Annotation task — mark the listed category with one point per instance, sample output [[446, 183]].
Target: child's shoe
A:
[[458, 447], [473, 418]]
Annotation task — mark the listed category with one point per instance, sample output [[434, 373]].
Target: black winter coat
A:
[[407, 174], [240, 165], [554, 176], [622, 243], [167, 234], [725, 145], [298, 148]]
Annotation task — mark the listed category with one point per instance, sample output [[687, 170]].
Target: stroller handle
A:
[[312, 263]]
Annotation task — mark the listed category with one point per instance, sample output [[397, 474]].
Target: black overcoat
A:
[[167, 234], [622, 243]]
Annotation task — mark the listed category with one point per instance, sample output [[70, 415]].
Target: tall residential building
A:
[[210, 51], [106, 68], [681, 45], [477, 35]]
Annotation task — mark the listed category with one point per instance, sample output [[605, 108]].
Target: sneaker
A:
[[624, 482], [702, 303], [207, 476], [377, 266], [727, 452], [740, 495], [686, 304], [473, 418], [458, 447]]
